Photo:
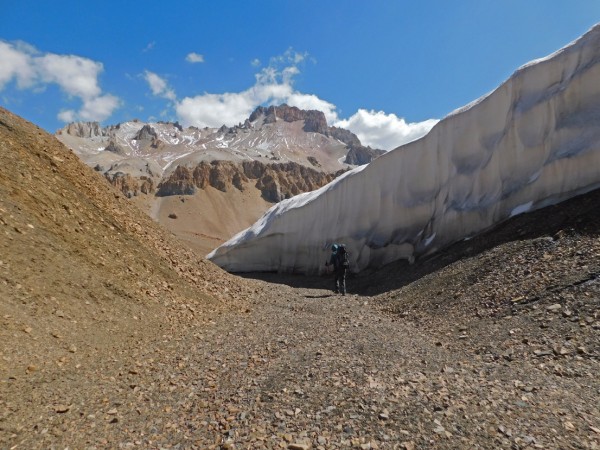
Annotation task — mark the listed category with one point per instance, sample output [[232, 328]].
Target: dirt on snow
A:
[[114, 334]]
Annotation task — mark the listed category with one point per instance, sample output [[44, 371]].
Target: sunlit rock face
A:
[[532, 142]]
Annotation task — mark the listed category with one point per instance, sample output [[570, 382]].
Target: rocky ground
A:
[[303, 368], [115, 336]]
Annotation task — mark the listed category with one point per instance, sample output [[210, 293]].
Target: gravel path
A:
[[303, 368]]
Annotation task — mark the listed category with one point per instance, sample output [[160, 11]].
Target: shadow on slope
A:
[[577, 216]]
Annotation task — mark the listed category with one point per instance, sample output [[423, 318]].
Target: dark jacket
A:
[[337, 260]]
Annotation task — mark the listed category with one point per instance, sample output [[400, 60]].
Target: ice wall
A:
[[532, 142]]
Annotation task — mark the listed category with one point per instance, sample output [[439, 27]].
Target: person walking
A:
[[340, 262]]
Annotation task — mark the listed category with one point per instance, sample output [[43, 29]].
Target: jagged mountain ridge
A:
[[277, 134], [207, 184]]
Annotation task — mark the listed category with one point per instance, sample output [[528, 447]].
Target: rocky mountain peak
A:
[[314, 121], [115, 148], [83, 129], [146, 133], [275, 181], [346, 136], [175, 124]]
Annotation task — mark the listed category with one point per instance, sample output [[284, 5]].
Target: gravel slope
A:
[[116, 336]]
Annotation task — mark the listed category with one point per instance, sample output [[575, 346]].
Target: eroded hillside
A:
[[84, 274]]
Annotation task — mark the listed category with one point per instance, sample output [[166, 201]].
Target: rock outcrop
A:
[[314, 121], [276, 181], [180, 182], [357, 154], [345, 136], [361, 155], [146, 133], [83, 129], [115, 148], [130, 186]]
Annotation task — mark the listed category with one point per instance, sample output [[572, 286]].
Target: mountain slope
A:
[[278, 152], [532, 142], [113, 336], [85, 276], [281, 134]]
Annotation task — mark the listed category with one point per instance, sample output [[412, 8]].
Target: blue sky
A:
[[381, 68]]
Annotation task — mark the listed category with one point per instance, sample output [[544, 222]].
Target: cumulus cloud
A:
[[159, 86], [194, 58], [76, 76], [384, 131], [67, 115], [274, 84], [101, 106], [255, 62], [16, 64], [213, 110]]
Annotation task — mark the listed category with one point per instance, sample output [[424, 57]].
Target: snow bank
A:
[[532, 142]]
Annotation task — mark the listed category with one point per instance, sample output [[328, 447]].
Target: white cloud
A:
[[16, 64], [149, 47], [255, 62], [273, 85], [384, 131], [67, 115], [194, 58], [159, 86], [99, 108], [75, 75], [214, 110]]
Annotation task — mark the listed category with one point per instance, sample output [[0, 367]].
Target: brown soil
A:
[[208, 218], [115, 336]]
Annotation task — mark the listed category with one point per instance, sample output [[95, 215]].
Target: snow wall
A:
[[532, 142]]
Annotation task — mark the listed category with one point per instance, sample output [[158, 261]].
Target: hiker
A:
[[340, 262]]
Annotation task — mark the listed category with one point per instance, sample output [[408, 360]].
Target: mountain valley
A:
[[472, 318], [278, 152], [116, 335]]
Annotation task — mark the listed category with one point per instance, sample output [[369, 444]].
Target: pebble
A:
[[298, 446], [384, 415]]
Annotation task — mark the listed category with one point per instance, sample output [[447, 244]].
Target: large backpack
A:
[[343, 259]]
